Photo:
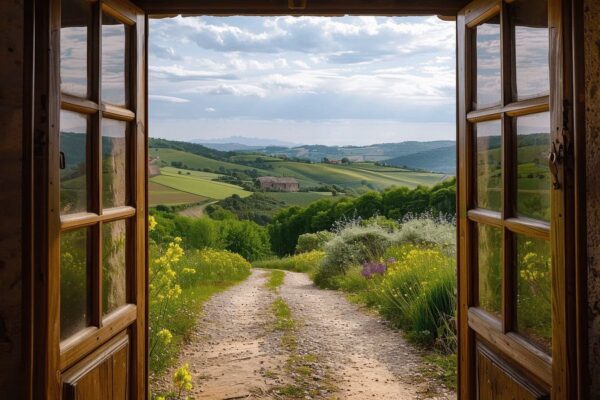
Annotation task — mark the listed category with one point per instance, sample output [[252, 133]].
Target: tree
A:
[[369, 204]]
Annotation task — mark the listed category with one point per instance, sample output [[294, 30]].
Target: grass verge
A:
[[193, 300], [275, 280], [308, 378]]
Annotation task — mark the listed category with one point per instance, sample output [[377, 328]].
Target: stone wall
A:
[[592, 67], [11, 119]]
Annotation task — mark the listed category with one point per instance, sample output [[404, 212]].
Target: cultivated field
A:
[[199, 185]]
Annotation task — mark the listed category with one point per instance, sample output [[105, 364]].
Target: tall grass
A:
[[180, 283], [304, 262], [406, 271]]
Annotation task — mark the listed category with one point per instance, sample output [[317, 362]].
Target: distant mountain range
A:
[[240, 143]]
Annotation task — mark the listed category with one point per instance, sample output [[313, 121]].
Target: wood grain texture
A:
[[466, 360], [313, 7], [500, 381], [102, 375]]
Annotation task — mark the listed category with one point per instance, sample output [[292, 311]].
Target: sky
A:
[[304, 80]]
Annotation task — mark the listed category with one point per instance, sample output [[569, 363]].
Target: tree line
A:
[[394, 203]]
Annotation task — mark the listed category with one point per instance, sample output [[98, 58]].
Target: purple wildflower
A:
[[371, 268]]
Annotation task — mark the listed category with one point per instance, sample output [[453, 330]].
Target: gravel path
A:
[[367, 359], [236, 354]]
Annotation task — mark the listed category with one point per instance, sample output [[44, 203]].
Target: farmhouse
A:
[[280, 184]]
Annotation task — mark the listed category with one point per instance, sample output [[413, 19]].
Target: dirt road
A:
[[235, 352]]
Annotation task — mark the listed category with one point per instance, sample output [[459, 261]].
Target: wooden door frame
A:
[[40, 118], [42, 348], [568, 129]]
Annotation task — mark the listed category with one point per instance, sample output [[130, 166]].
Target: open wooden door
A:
[[516, 330], [90, 223]]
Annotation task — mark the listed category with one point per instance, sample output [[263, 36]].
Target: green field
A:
[[198, 185], [195, 174], [167, 156], [160, 194], [301, 199], [353, 176], [252, 158], [189, 183]]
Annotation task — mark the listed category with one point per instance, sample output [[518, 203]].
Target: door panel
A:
[[498, 380], [512, 185], [102, 375], [93, 295]]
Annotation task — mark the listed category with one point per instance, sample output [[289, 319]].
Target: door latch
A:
[[557, 156], [553, 161], [62, 164]]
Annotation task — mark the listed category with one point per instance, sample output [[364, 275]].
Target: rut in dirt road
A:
[[235, 352]]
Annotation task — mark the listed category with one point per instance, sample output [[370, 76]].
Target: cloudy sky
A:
[[309, 80]]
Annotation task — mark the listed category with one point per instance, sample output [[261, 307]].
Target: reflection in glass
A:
[[74, 282], [529, 22], [534, 291], [114, 163], [73, 173], [489, 264], [533, 176], [75, 19], [113, 61], [487, 65], [489, 164], [114, 252]]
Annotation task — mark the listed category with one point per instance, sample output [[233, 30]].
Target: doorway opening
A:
[[289, 155]]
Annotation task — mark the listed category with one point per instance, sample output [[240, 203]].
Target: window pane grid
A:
[[503, 227], [96, 229]]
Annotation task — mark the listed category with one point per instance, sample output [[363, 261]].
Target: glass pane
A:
[[529, 21], [114, 163], [533, 175], [489, 260], [489, 164], [534, 291], [73, 173], [75, 302], [113, 61], [114, 252], [75, 19], [487, 66]]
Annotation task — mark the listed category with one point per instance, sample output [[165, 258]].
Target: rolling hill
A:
[[376, 152], [442, 160]]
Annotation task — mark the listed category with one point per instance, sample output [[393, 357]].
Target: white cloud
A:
[[306, 68], [168, 99]]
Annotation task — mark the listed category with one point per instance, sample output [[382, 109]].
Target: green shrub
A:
[[352, 245], [428, 231], [352, 281], [313, 241], [202, 233], [305, 262], [246, 238], [418, 294]]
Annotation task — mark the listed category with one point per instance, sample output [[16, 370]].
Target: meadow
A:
[[198, 185]]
